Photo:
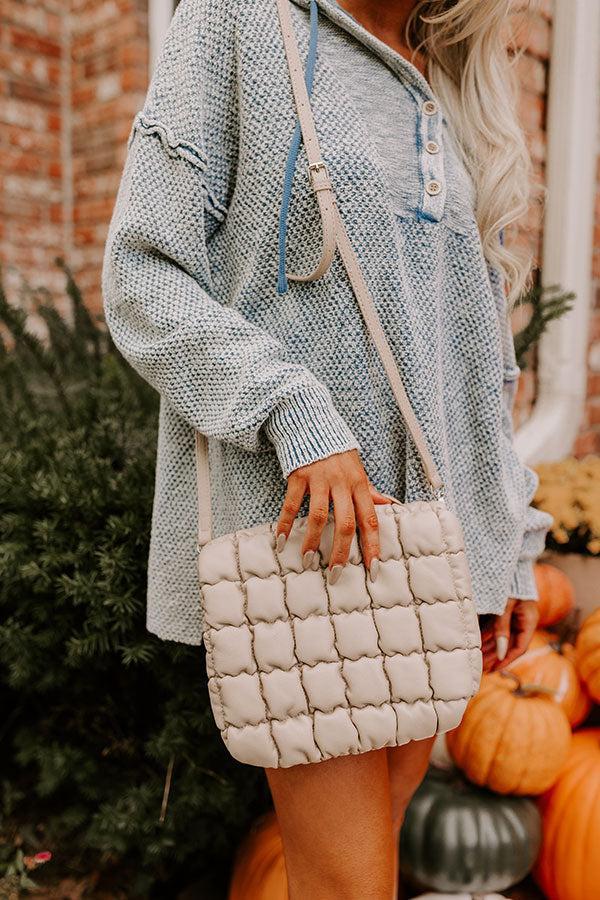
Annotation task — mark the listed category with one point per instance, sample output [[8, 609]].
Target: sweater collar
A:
[[394, 60]]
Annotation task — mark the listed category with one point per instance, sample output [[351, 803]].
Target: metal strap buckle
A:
[[314, 169]]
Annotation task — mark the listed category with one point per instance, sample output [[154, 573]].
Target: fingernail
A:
[[308, 558], [334, 574], [281, 539], [374, 569], [501, 646]]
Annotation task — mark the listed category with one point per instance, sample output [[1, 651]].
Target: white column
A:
[[573, 114], [160, 13]]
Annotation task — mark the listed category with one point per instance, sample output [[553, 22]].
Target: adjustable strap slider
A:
[[318, 174]]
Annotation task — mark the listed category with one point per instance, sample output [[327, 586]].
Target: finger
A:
[[343, 532], [520, 643], [379, 498], [502, 631], [294, 495], [368, 527], [318, 513]]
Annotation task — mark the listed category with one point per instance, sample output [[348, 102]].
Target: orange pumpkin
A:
[[259, 871], [587, 654], [514, 738], [550, 662], [568, 867], [556, 594]]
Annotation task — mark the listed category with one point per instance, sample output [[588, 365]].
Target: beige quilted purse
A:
[[301, 670]]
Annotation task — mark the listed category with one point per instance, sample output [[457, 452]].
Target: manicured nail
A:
[[501, 646], [281, 539], [308, 558], [374, 569], [334, 574]]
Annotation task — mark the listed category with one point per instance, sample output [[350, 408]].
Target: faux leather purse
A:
[[301, 670]]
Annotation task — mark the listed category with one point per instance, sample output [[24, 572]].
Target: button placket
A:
[[432, 160]]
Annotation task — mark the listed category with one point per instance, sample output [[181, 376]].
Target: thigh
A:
[[336, 824], [407, 767]]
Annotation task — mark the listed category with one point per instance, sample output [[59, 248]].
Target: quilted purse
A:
[[301, 670]]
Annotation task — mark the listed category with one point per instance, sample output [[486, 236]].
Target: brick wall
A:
[[32, 119], [109, 66], [589, 438], [72, 75]]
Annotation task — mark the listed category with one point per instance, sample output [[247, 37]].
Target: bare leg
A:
[[336, 823], [407, 767]]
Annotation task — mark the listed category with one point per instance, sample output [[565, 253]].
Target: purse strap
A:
[[335, 237]]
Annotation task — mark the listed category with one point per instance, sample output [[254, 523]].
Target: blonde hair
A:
[[472, 74]]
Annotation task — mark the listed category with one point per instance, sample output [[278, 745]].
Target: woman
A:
[[413, 103]]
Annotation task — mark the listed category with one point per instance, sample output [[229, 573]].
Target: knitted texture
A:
[[275, 382]]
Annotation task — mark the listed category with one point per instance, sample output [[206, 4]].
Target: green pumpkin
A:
[[459, 837]]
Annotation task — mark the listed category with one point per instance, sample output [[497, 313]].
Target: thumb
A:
[[378, 498]]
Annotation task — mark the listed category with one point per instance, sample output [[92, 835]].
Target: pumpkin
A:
[[458, 837], [550, 662], [587, 654], [259, 871], [514, 738], [568, 865], [436, 896], [556, 594]]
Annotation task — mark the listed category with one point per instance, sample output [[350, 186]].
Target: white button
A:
[[433, 187], [432, 147], [430, 108]]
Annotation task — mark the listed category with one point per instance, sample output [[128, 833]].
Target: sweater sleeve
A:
[[226, 377], [536, 522]]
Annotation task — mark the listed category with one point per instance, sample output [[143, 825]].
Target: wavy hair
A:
[[471, 71]]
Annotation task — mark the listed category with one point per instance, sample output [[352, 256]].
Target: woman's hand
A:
[[342, 479], [506, 637]]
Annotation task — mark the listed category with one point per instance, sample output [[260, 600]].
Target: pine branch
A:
[[547, 304]]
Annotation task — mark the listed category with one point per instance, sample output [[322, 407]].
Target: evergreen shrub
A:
[[100, 720]]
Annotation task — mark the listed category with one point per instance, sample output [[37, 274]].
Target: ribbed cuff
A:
[[305, 428], [523, 585]]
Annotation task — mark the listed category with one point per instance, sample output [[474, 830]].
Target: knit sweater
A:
[[277, 381]]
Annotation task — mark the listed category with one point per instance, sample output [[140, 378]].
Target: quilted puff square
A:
[[409, 677], [223, 604], [256, 550], [283, 693], [452, 529], [315, 640], [431, 579], [391, 585], [336, 733], [324, 686], [305, 593], [265, 600], [444, 625], [217, 561], [376, 726], [398, 629], [273, 645], [349, 593], [295, 737], [355, 634], [416, 721], [252, 744], [420, 531], [366, 682], [455, 674], [241, 699], [231, 650], [389, 543]]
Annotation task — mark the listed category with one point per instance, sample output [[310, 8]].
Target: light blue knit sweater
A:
[[278, 381]]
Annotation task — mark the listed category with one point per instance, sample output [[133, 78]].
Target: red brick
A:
[[22, 40]]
